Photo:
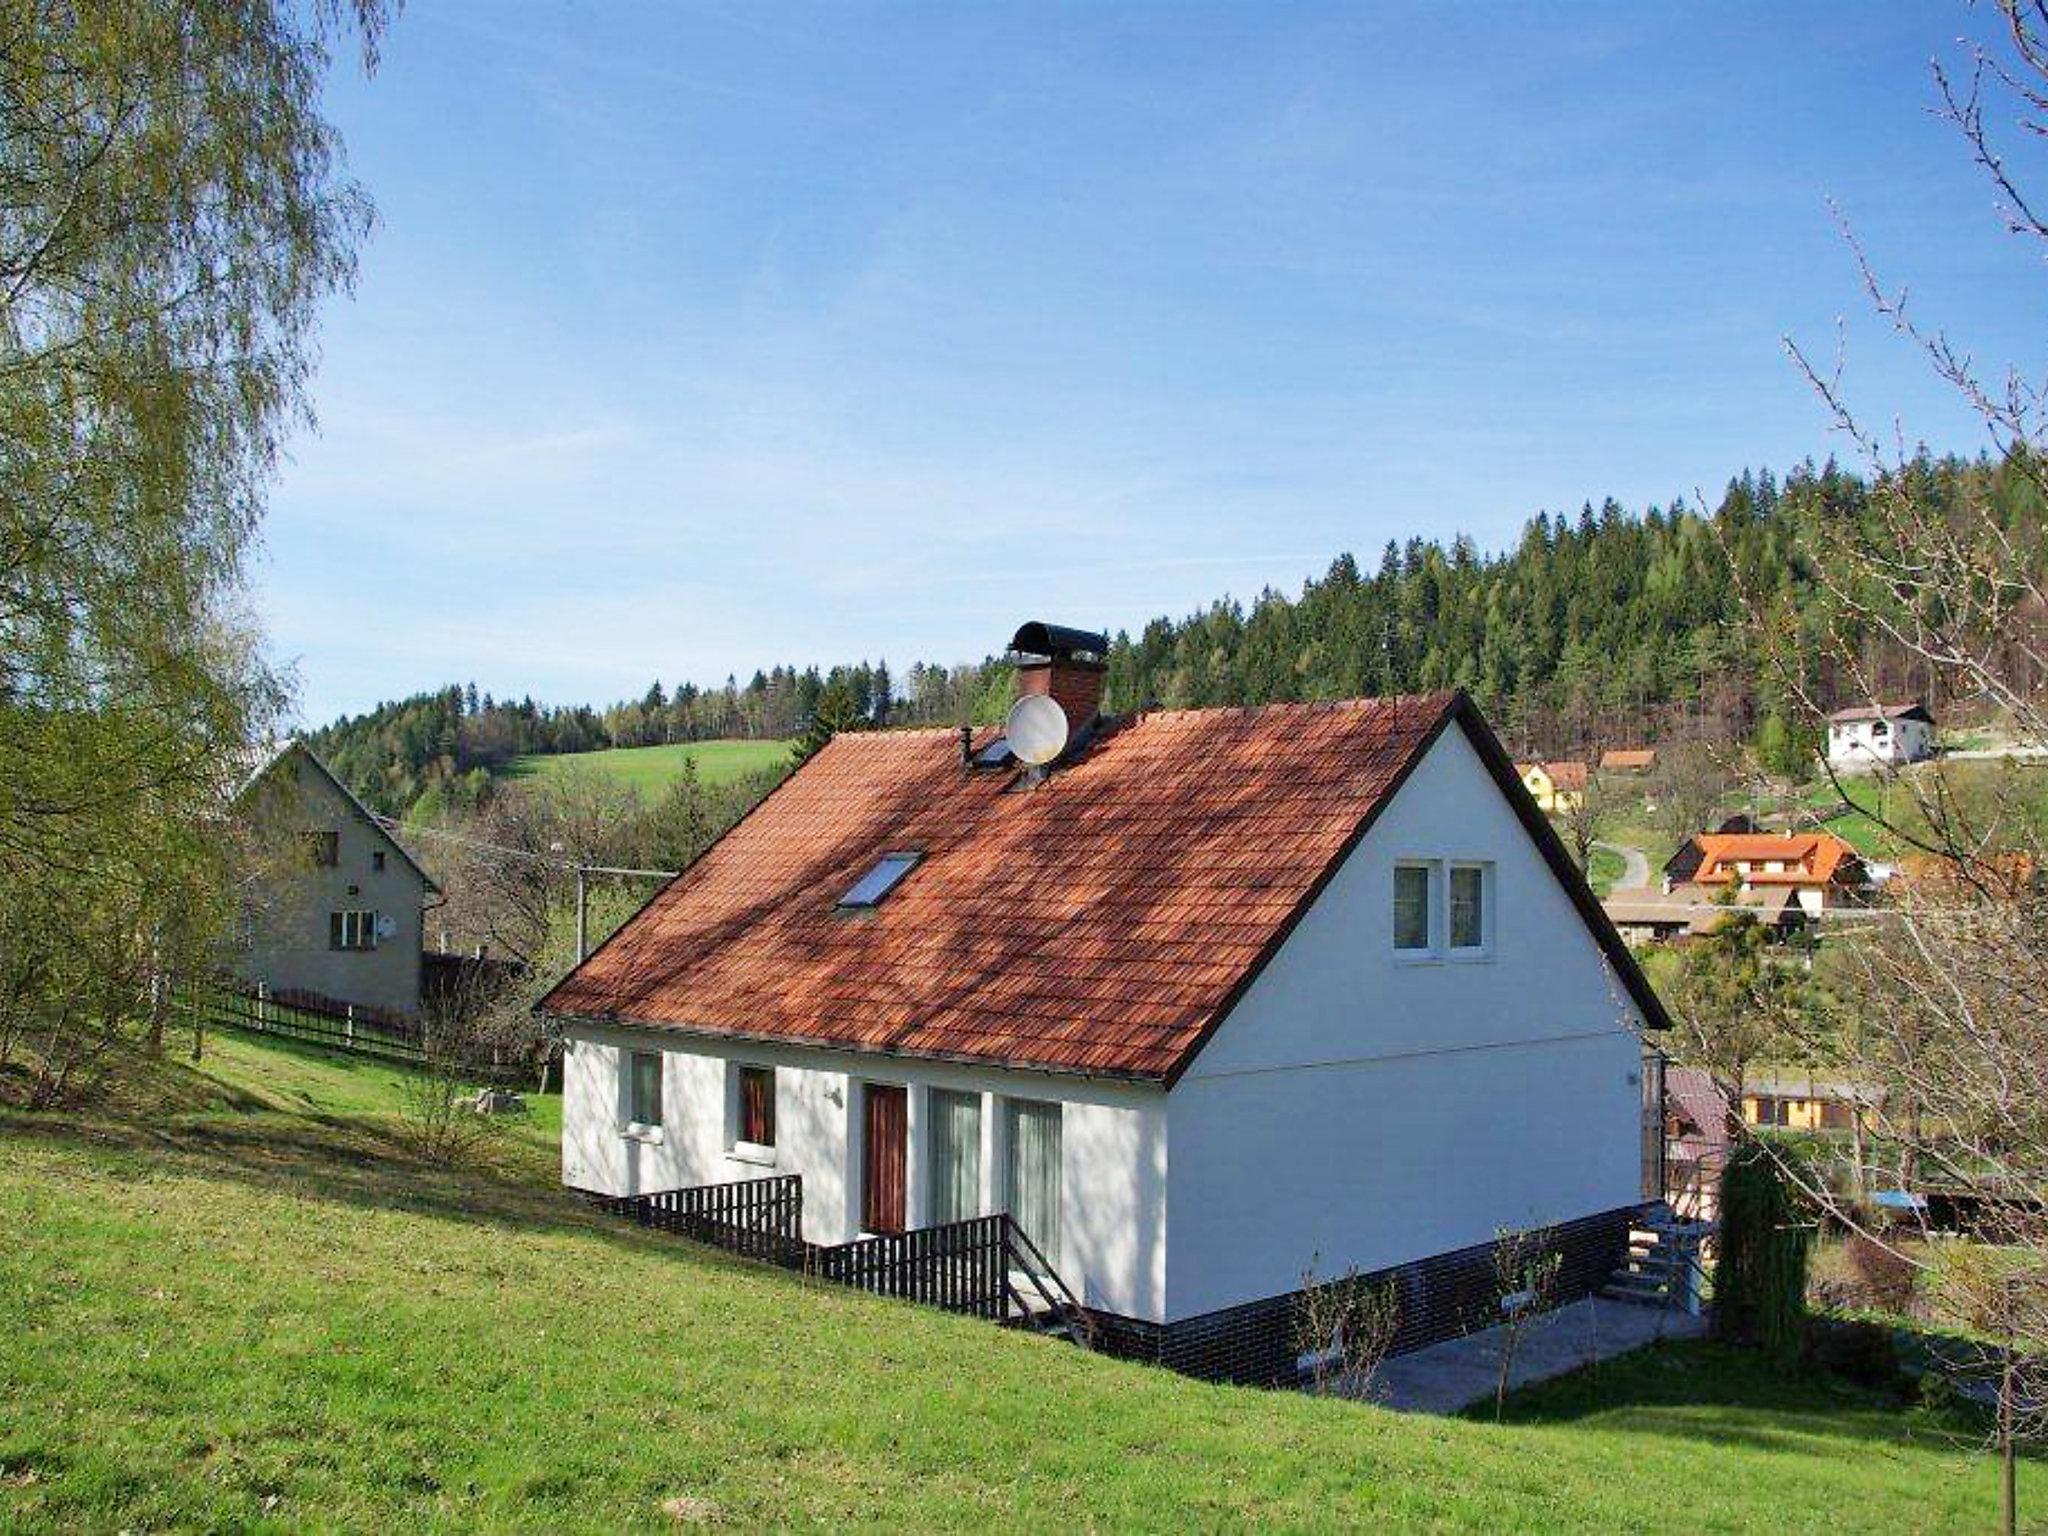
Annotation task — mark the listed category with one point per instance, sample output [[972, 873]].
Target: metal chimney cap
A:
[[1038, 638]]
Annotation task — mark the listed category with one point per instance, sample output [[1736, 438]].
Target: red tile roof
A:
[[1812, 858], [1102, 923]]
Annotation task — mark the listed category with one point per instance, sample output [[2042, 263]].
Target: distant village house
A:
[[1819, 869], [1557, 788], [333, 913], [1628, 760], [1879, 735]]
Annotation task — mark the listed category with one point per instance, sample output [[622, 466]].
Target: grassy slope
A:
[[650, 769], [252, 1310]]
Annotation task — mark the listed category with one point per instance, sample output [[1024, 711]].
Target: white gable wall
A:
[[1362, 1109], [1112, 1145]]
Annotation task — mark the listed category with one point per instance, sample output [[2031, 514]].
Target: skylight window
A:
[[879, 881], [996, 754]]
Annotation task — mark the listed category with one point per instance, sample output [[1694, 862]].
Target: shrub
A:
[[1761, 1257], [1863, 1351], [1886, 1275]]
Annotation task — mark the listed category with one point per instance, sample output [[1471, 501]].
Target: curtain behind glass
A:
[[1035, 1172], [956, 1155]]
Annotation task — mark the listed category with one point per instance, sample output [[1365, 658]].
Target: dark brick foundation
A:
[[1439, 1298]]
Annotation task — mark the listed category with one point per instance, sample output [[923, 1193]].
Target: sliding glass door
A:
[[956, 1155], [1033, 1182]]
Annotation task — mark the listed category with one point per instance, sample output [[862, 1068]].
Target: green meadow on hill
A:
[[233, 1299], [652, 769]]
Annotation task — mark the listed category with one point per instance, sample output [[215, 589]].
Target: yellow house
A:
[[1556, 787], [1799, 1103]]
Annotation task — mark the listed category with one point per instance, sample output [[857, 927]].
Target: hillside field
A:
[[651, 769], [240, 1303]]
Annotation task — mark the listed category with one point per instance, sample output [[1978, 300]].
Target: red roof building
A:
[[1102, 923], [1197, 999]]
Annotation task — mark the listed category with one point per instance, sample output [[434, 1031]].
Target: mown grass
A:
[[652, 769], [1603, 869], [253, 1309]]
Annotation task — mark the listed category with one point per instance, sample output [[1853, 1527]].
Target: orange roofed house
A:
[[1818, 869], [1200, 998]]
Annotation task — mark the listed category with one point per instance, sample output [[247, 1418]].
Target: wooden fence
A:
[[338, 1027], [970, 1266], [963, 1266], [756, 1218]]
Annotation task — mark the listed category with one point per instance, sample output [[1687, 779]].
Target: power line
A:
[[392, 825]]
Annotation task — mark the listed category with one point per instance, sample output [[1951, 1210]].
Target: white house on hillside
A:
[[1880, 735], [1215, 996]]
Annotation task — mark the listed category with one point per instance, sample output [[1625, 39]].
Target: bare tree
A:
[[1688, 786], [1344, 1330], [1937, 581], [1581, 817], [1525, 1274]]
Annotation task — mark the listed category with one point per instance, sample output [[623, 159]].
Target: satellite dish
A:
[[1036, 729], [387, 925]]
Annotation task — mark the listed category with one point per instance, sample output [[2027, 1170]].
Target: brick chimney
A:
[[1066, 664]]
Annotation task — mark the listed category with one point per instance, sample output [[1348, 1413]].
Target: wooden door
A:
[[882, 1184]]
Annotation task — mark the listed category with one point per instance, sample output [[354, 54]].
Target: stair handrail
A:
[[1056, 1295]]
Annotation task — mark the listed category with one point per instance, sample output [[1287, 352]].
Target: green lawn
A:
[[1603, 869], [650, 769], [248, 1308]]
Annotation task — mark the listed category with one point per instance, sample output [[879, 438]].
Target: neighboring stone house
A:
[[1879, 735], [1213, 998], [334, 908]]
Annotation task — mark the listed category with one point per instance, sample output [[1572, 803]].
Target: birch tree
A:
[[173, 208]]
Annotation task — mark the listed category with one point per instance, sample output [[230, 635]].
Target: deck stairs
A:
[[1662, 1267], [1036, 1297]]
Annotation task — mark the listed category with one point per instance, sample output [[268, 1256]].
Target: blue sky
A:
[[697, 338]]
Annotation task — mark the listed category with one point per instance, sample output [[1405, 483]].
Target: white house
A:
[[1217, 996], [1880, 735]]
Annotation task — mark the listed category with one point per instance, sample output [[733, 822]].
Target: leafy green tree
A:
[[172, 212]]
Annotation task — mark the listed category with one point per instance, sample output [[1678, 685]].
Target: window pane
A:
[[646, 1088], [880, 880], [757, 1105], [956, 1155], [1035, 1172], [1468, 911], [1411, 907]]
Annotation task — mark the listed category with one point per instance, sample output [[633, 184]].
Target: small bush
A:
[[1887, 1276], [1761, 1257]]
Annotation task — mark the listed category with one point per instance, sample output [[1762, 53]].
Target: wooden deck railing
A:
[[985, 1266]]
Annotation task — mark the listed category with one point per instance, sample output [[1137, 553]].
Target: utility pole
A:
[[582, 913]]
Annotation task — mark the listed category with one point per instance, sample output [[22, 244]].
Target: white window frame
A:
[[357, 933], [638, 1130], [1434, 917], [749, 1151], [1488, 907]]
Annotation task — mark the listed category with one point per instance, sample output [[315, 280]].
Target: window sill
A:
[[749, 1152], [651, 1134], [1417, 957], [1470, 956]]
